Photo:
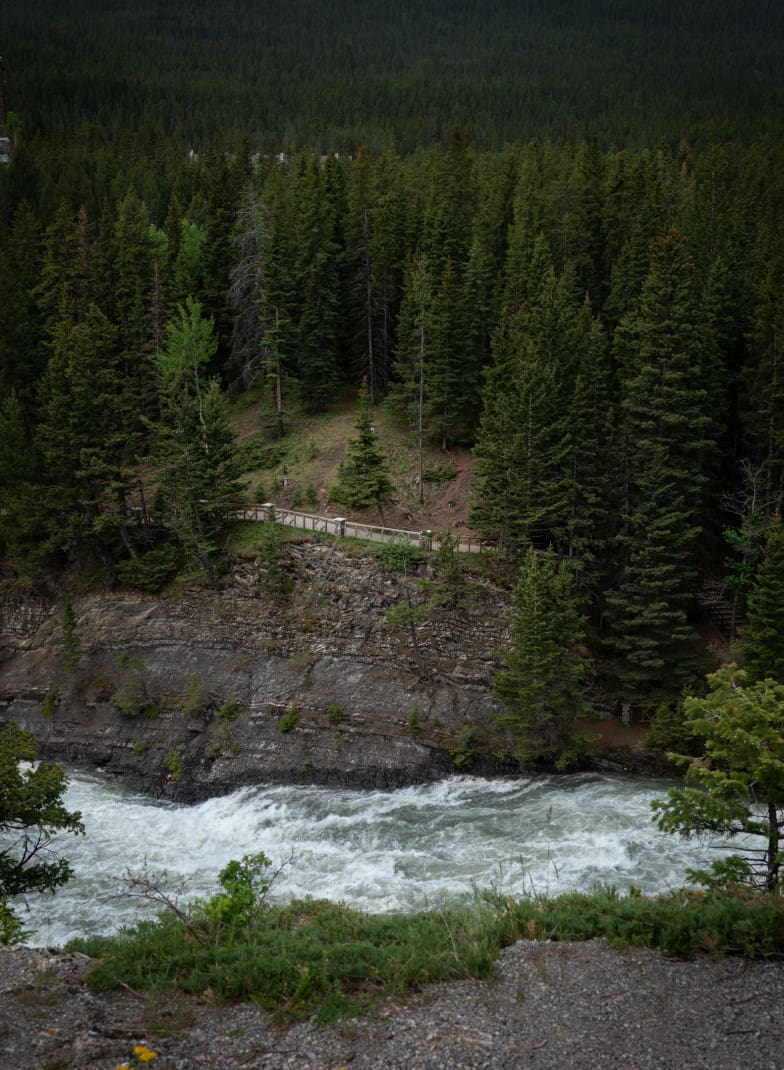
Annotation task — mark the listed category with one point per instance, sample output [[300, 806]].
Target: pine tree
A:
[[193, 442], [246, 294], [408, 394], [64, 269], [667, 434], [317, 288], [81, 434], [540, 691], [763, 395], [22, 355], [222, 177], [763, 645], [363, 476], [541, 437]]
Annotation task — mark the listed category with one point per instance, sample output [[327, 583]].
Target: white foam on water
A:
[[403, 850]]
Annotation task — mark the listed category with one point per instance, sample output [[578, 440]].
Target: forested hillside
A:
[[600, 319], [331, 75]]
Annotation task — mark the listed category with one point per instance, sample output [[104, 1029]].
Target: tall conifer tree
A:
[[667, 432]]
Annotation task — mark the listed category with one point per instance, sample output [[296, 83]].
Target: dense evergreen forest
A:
[[331, 75], [599, 318]]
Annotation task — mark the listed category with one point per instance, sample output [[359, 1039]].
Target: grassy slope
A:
[[310, 452]]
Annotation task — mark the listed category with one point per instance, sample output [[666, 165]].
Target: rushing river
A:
[[378, 851]]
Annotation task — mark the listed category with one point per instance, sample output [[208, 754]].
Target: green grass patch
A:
[[303, 959], [318, 958]]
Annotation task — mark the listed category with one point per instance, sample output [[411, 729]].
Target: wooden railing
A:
[[341, 527]]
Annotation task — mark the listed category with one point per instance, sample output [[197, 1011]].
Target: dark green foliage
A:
[[230, 711], [273, 576], [605, 327], [317, 958], [542, 444], [195, 698], [70, 645], [398, 555], [309, 957], [739, 782], [682, 923], [463, 754], [363, 476], [31, 814], [194, 444], [288, 721], [763, 646], [448, 587], [540, 691], [666, 434], [150, 571], [639, 76]]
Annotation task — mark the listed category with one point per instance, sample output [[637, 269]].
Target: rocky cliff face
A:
[[195, 695]]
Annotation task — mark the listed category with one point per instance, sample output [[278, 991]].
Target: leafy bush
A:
[[320, 958], [399, 555], [439, 473], [174, 765], [229, 711], [195, 697], [131, 696], [334, 714], [48, 704], [151, 571], [463, 755], [289, 720]]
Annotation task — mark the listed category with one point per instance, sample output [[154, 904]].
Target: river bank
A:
[[549, 1006], [200, 692]]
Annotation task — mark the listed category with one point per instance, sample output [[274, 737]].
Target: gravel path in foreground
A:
[[549, 1007]]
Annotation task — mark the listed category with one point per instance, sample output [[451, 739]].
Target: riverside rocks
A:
[[360, 710]]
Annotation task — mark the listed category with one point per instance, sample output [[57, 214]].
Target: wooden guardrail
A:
[[342, 527]]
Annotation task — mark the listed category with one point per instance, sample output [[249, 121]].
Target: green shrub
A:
[[195, 697], [100, 688], [229, 711], [48, 704], [131, 696], [439, 473], [289, 720], [399, 555], [174, 765], [152, 570], [334, 714], [141, 747], [414, 722], [463, 755], [316, 958]]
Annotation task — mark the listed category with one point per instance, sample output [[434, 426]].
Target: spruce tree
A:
[[764, 642], [81, 436], [316, 277], [542, 437], [193, 442], [246, 295], [666, 434], [540, 691], [363, 476]]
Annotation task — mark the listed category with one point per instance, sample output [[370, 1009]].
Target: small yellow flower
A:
[[144, 1055], [122, 1066]]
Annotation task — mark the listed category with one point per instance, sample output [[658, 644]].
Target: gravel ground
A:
[[549, 1007]]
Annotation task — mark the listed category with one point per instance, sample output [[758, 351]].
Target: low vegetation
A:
[[320, 958]]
